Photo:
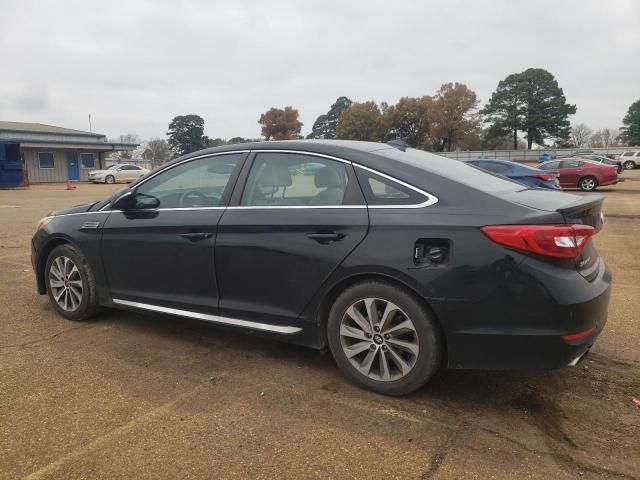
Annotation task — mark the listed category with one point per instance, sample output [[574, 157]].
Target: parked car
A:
[[630, 159], [532, 177], [398, 260], [545, 157], [604, 160], [120, 172], [583, 174]]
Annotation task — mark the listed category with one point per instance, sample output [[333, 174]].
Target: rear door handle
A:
[[326, 237], [195, 236]]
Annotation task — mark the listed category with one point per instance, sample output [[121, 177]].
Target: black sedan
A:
[[398, 260]]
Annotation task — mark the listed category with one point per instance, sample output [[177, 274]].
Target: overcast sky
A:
[[134, 65]]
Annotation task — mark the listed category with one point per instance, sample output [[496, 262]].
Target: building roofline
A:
[[67, 142], [44, 132]]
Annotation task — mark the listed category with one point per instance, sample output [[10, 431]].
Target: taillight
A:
[[560, 241], [545, 176]]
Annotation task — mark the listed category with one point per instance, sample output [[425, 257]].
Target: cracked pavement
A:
[[143, 396]]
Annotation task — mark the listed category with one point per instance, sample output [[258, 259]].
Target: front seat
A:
[[273, 177], [333, 184]]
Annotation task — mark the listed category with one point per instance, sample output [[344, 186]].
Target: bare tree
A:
[[605, 137], [581, 135], [124, 155], [160, 151]]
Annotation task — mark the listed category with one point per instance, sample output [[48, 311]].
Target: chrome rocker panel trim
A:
[[287, 330]]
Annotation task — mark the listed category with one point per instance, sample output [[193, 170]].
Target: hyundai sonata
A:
[[399, 261]]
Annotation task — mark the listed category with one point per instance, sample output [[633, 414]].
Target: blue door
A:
[[11, 165], [73, 171]]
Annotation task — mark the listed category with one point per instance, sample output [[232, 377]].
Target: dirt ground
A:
[[133, 396]]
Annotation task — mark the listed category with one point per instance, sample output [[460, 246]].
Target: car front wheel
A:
[[110, 179], [70, 284], [588, 184], [383, 339], [629, 165]]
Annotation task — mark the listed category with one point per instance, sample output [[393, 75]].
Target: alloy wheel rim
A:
[[66, 284], [588, 184], [379, 339]]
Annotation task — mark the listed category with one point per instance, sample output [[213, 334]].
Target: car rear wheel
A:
[[588, 184], [383, 339], [110, 179], [629, 165], [70, 284]]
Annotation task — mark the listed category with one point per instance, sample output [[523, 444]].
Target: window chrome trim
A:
[[431, 199], [304, 152], [283, 329], [268, 207]]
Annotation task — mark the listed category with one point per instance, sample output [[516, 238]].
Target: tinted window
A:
[[129, 167], [628, 154], [549, 165], [290, 179], [571, 163], [493, 166], [379, 190], [45, 160], [451, 169], [87, 161], [198, 183]]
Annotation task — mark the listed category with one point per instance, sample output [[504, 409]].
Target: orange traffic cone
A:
[[70, 186]]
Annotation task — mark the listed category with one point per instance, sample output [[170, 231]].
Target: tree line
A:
[[526, 108]]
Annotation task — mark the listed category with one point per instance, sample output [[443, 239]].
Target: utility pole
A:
[[90, 123]]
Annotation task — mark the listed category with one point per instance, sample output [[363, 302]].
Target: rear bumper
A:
[[527, 334]]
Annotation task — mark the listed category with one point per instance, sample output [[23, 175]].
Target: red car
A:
[[582, 174]]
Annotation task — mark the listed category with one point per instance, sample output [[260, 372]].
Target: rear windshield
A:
[[452, 169]]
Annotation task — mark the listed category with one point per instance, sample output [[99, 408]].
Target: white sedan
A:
[[121, 172]]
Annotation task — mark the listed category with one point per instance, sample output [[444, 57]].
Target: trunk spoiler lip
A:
[[584, 203]]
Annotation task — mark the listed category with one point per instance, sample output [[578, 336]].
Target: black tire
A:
[[88, 306], [629, 165], [427, 330], [588, 184], [109, 179]]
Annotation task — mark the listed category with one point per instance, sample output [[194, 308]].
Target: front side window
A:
[[628, 154], [379, 190], [549, 165], [45, 160], [87, 160], [195, 184], [296, 180]]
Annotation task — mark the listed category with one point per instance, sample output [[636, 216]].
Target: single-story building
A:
[[38, 153]]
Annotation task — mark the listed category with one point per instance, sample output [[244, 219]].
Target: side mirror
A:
[[142, 201], [130, 200]]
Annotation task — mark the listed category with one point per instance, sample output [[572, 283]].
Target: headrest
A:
[[327, 178], [275, 176]]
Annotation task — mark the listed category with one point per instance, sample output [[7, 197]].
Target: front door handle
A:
[[326, 237], [195, 236]]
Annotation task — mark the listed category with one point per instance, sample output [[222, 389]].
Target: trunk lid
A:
[[581, 209]]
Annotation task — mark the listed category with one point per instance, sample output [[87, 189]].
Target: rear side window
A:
[[628, 154], [493, 166], [572, 163], [379, 190], [295, 180]]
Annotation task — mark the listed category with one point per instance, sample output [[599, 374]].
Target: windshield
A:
[[453, 169]]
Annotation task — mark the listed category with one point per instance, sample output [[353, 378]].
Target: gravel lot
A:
[[133, 396]]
